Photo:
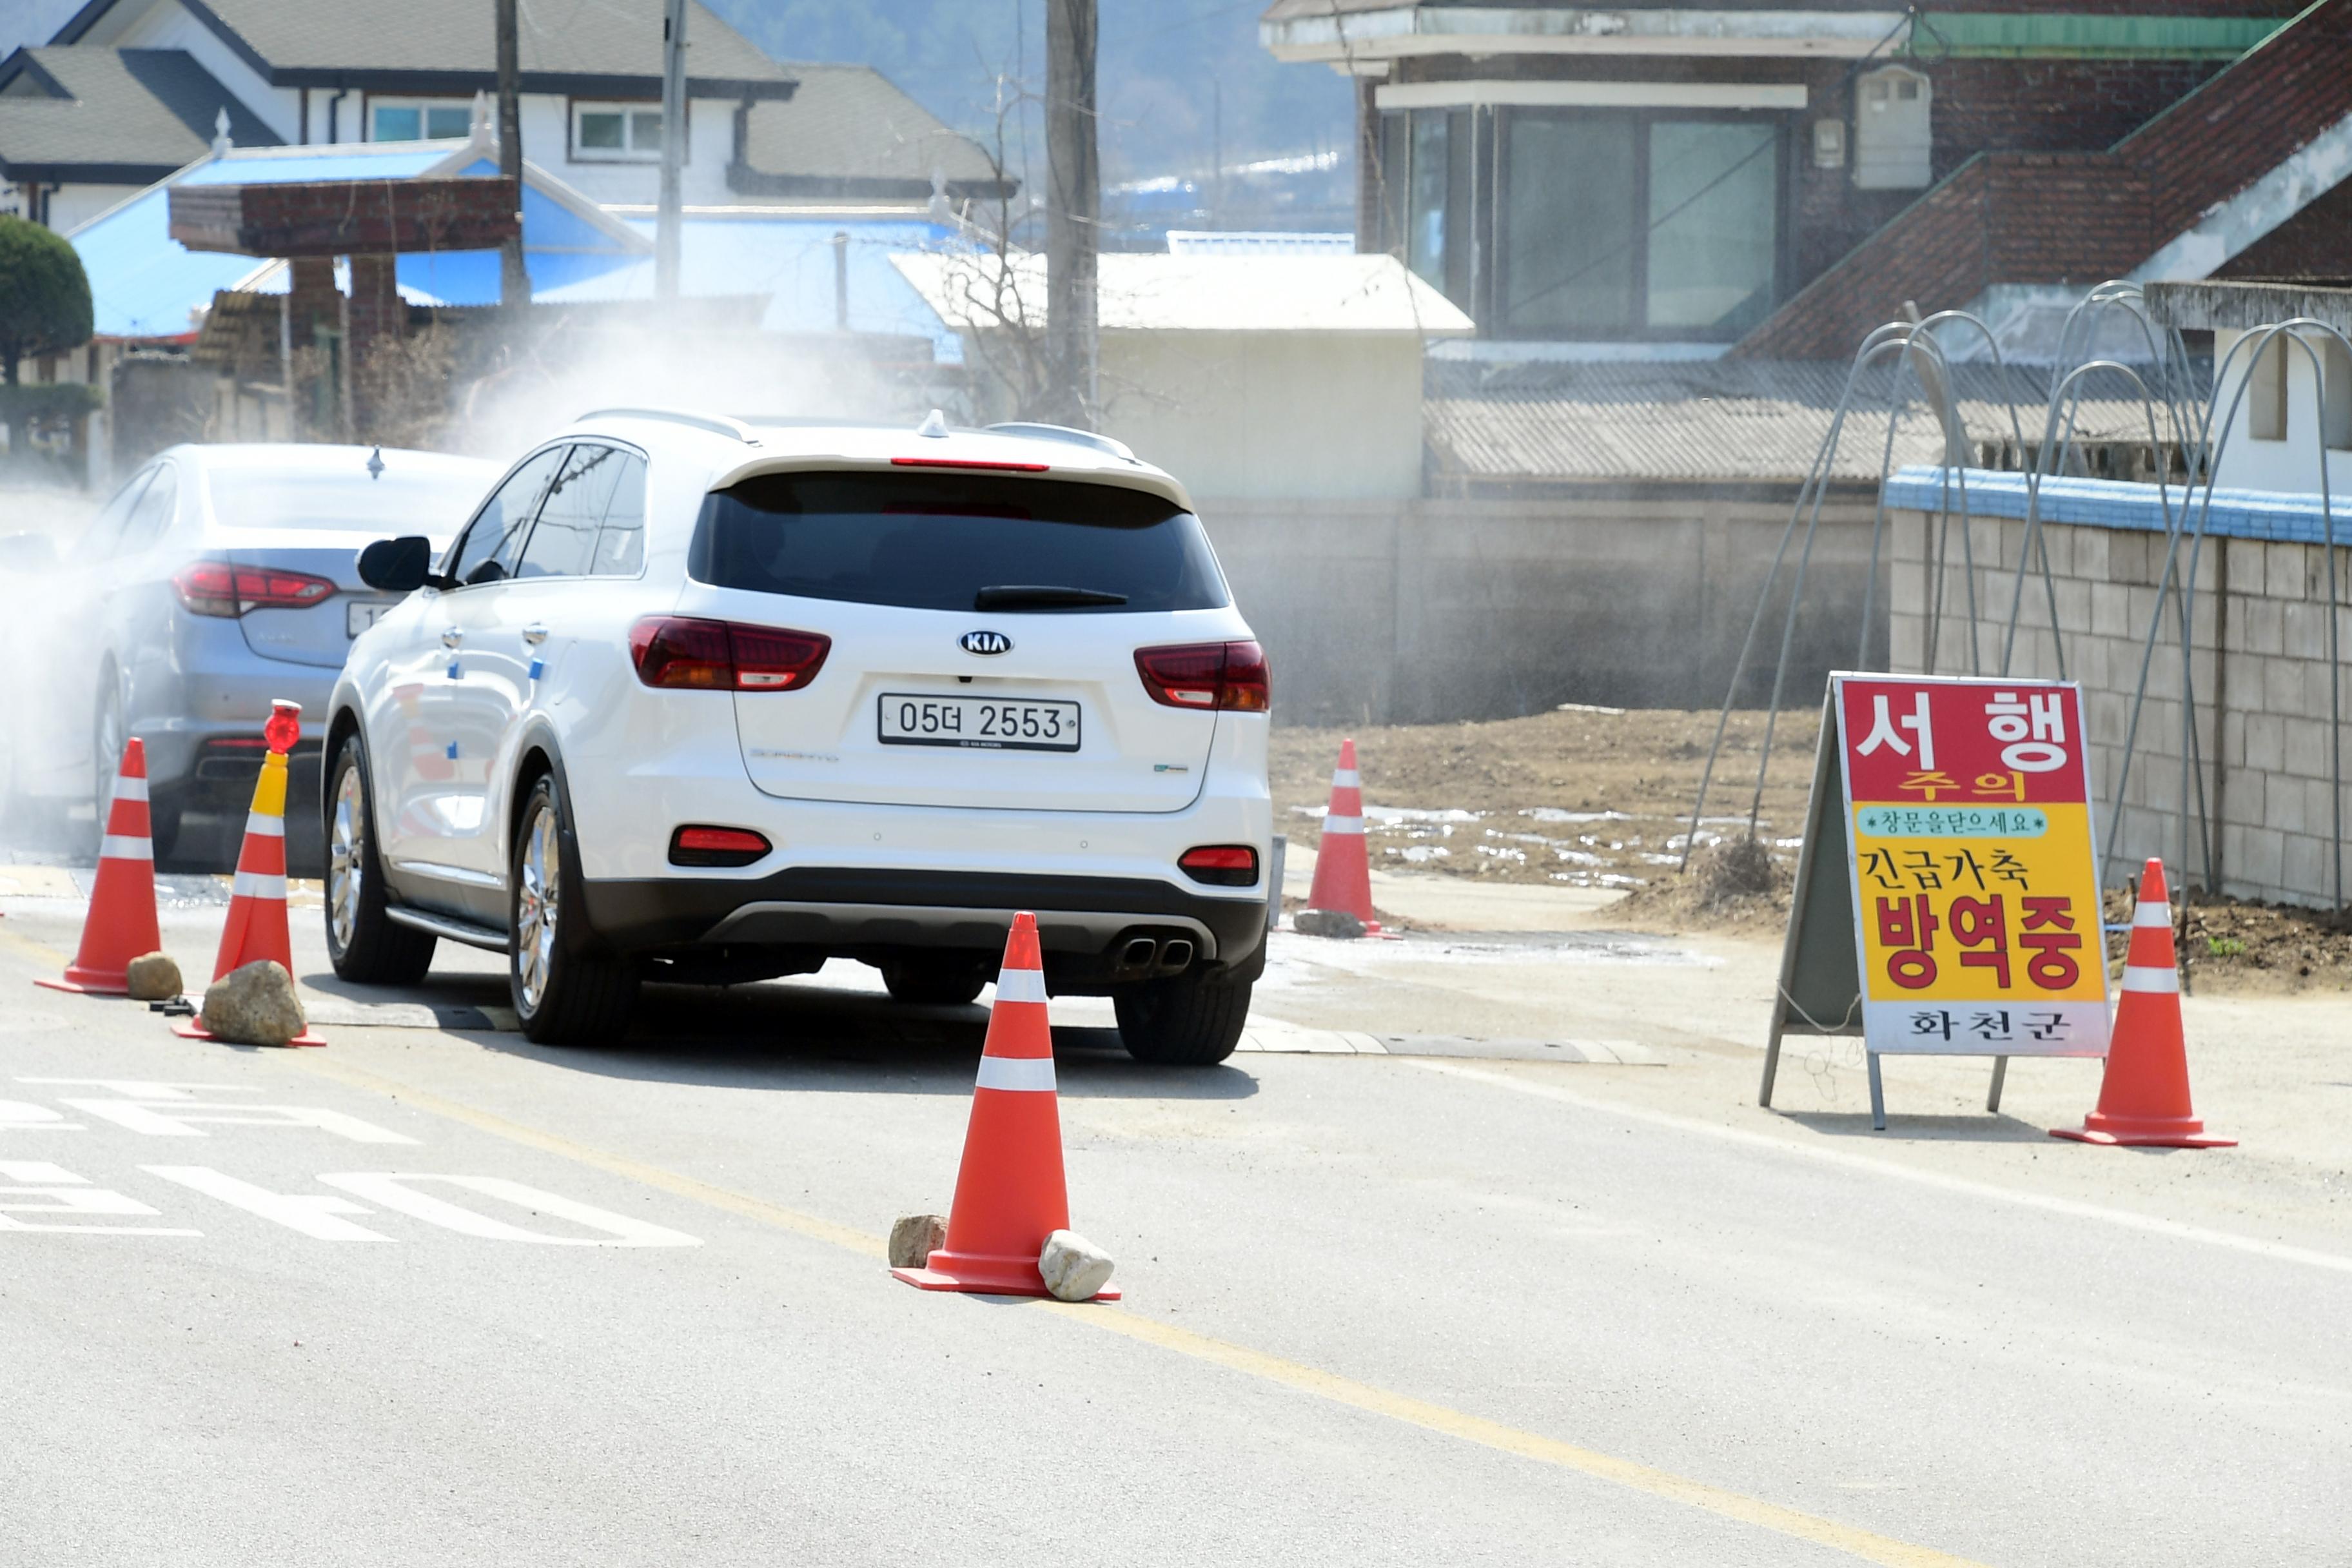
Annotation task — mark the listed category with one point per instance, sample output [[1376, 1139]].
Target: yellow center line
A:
[[1867, 1545]]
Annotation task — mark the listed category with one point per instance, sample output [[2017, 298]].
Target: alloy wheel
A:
[[346, 858], [537, 894]]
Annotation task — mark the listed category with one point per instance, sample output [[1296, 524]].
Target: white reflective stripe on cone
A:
[[258, 885], [1343, 825], [257, 825], [2149, 915], [126, 788], [1032, 1074], [1020, 986], [116, 847], [1347, 778], [2146, 977]]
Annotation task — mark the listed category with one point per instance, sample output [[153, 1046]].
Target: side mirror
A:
[[28, 553], [397, 566]]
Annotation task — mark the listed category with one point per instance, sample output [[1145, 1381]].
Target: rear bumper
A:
[[1088, 926]]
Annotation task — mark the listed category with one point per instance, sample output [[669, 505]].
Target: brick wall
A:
[[2090, 216], [2259, 668]]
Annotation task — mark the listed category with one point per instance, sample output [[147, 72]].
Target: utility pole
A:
[[514, 283], [673, 149], [1073, 236]]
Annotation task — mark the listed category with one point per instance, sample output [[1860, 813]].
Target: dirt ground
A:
[[1596, 797]]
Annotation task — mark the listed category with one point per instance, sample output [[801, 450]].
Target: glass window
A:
[[446, 121], [603, 131], [398, 123], [933, 541], [1714, 198], [621, 542], [563, 543], [1571, 244], [488, 552], [1425, 198], [645, 131], [98, 540], [406, 498], [152, 516]]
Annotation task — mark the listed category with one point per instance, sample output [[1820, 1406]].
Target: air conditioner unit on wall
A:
[[1893, 142]]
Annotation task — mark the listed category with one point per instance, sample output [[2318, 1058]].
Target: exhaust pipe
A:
[[1177, 954], [1138, 954]]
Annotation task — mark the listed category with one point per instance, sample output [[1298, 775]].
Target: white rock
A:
[[914, 1237], [1074, 1267]]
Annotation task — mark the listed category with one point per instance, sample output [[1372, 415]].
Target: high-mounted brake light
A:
[[1209, 676], [683, 652], [228, 589], [1220, 865], [970, 463]]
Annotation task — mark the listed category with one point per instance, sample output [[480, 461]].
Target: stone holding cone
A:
[[121, 925], [255, 930], [1343, 871], [2143, 1095], [1010, 1196]]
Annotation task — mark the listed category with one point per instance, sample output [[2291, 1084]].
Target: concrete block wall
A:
[[2264, 737]]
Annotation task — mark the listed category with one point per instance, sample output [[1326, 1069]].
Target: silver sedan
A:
[[216, 578]]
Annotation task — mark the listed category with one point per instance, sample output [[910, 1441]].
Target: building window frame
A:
[[1497, 265], [631, 113], [427, 110]]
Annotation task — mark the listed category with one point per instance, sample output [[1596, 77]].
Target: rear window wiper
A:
[[1020, 597]]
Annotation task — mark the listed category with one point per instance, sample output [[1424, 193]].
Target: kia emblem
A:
[[987, 642]]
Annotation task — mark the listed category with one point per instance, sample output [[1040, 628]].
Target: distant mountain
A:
[[1163, 65]]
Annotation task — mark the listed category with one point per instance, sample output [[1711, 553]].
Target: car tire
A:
[[366, 946], [164, 815], [934, 982], [567, 992], [1187, 1021], [106, 745]]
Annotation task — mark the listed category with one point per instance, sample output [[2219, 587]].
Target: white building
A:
[[130, 90], [2291, 392]]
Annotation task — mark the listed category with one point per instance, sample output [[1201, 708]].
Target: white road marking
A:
[[314, 1215], [178, 1120], [22, 1116], [58, 1191], [2074, 1208], [393, 1190], [146, 1087]]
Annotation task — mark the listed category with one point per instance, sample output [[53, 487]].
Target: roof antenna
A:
[[934, 425], [221, 144], [375, 464]]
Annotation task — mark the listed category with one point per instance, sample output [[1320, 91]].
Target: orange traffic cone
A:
[[2144, 1096], [257, 905], [1343, 872], [1010, 1195], [121, 925]]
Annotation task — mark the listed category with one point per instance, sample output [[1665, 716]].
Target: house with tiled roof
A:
[[128, 90]]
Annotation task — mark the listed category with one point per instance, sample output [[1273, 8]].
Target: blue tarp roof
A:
[[790, 260], [143, 285]]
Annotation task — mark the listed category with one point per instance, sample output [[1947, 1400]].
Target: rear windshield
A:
[[935, 541], [434, 500]]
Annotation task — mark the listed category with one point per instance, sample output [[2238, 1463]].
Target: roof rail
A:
[[734, 429], [1065, 433]]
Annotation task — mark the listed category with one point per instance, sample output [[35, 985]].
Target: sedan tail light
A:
[[228, 589], [680, 651], [1210, 675]]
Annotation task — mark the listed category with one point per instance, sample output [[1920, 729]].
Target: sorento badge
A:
[[987, 642]]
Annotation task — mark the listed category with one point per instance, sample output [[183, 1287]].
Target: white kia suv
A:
[[706, 699]]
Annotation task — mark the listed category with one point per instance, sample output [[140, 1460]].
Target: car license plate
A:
[[362, 614], [989, 723]]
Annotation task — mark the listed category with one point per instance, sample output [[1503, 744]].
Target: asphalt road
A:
[[429, 1297]]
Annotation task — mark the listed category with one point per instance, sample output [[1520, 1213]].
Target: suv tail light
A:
[[721, 656], [1208, 674], [716, 846], [1222, 865], [227, 589]]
